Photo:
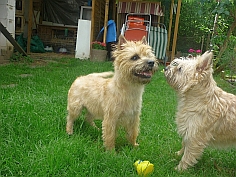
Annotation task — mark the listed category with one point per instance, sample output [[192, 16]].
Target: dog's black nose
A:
[[150, 63]]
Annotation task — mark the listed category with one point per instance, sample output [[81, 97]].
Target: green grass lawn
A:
[[33, 140]]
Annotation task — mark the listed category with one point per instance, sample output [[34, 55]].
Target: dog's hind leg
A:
[[90, 119], [73, 113]]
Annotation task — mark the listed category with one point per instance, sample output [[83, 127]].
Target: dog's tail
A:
[[103, 75]]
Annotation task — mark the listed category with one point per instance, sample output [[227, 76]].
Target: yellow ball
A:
[[144, 168]]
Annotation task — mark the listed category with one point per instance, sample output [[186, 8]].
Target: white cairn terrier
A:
[[116, 100], [206, 115]]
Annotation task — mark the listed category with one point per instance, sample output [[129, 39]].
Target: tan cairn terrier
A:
[[116, 100], [206, 115]]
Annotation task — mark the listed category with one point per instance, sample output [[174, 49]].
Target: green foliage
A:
[[197, 20], [209, 25], [98, 45], [228, 59], [34, 141], [223, 22], [18, 57]]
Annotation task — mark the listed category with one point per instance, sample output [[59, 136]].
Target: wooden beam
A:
[[11, 39], [176, 30], [106, 20], [114, 10], [92, 37], [170, 24], [30, 16]]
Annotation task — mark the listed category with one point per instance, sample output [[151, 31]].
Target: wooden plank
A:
[[114, 10], [29, 25], [170, 24], [92, 22], [11, 39], [106, 20], [176, 30]]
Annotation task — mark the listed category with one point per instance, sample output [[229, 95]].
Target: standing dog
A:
[[206, 115], [117, 100]]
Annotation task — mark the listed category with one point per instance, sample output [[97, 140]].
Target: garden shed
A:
[[57, 25], [118, 10]]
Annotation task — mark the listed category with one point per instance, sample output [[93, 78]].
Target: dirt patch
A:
[[25, 75], [50, 56], [8, 86], [38, 63], [42, 59]]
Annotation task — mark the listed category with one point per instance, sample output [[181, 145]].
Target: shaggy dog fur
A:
[[206, 115], [116, 100]]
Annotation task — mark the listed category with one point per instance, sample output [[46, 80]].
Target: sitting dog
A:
[[116, 100], [206, 115]]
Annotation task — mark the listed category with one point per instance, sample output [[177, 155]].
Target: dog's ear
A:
[[205, 61], [121, 41], [144, 40]]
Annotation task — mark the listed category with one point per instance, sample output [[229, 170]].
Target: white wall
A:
[[7, 18], [82, 50]]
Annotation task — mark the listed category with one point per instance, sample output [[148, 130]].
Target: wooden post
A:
[[29, 25], [208, 41], [114, 10], [92, 37], [11, 39], [203, 37], [176, 30], [105, 20], [170, 24], [214, 26]]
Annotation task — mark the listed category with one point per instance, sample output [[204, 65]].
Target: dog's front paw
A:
[[181, 167], [136, 144], [69, 131], [110, 148], [178, 153], [177, 168]]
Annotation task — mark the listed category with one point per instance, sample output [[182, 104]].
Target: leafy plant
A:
[[98, 45], [227, 62], [195, 52], [17, 57]]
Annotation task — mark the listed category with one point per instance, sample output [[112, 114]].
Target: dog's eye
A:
[[174, 63], [180, 69], [135, 57]]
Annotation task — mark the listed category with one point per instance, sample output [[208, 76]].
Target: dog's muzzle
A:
[[151, 63], [167, 72], [166, 68], [144, 74], [147, 71]]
